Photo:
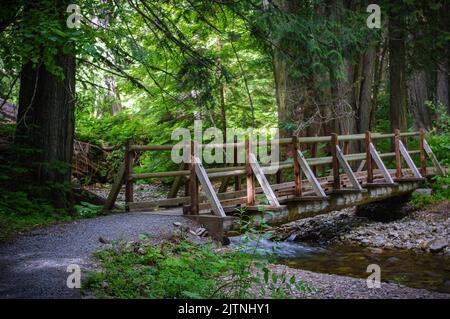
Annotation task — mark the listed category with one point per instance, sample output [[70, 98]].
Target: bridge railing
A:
[[339, 158]]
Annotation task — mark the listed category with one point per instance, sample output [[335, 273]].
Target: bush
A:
[[440, 192]]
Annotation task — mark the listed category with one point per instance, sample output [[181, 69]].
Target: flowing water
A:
[[418, 270]]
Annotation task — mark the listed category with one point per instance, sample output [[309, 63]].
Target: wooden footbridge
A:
[[341, 184]]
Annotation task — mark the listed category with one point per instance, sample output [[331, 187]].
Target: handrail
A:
[[339, 157], [281, 141]]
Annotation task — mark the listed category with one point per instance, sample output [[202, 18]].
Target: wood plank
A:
[[193, 182], [129, 162], [369, 162], [408, 159], [423, 160], [309, 174], [263, 181], [297, 171], [376, 157], [439, 169], [115, 189], [237, 178], [249, 173], [347, 169], [335, 164], [208, 188], [398, 159]]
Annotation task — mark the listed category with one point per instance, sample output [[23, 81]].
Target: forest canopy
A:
[[105, 72]]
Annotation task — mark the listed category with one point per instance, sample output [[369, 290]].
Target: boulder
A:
[[436, 245]]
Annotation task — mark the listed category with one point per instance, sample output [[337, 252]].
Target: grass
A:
[[182, 269]]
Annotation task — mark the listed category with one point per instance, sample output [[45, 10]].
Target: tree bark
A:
[[418, 94], [397, 73], [46, 122]]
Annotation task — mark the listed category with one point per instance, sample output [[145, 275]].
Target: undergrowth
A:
[[440, 191], [183, 269]]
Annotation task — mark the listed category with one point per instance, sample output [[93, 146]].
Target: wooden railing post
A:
[[314, 155], [335, 164], [423, 161], [193, 182], [398, 159], [129, 161], [237, 178], [369, 162], [346, 145], [297, 172], [250, 180]]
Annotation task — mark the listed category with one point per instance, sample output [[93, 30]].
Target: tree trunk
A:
[[442, 83], [46, 122], [397, 73], [418, 94]]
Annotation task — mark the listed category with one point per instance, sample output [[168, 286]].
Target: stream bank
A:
[[424, 230]]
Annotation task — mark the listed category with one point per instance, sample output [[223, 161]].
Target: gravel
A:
[[35, 265], [327, 286], [424, 230]]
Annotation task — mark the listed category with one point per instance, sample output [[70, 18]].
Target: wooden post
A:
[[193, 182], [129, 161], [335, 164], [369, 158], [346, 145], [237, 179], [297, 172], [250, 181], [398, 159], [313, 155], [423, 161]]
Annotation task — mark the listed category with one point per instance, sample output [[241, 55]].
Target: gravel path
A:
[[34, 266]]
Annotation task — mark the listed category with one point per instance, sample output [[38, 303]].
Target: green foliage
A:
[[19, 212], [183, 269], [440, 192], [87, 210]]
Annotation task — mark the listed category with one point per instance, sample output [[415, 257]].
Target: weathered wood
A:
[[310, 175], [208, 188], [129, 162], [237, 178], [409, 160], [368, 142], [263, 181], [115, 189], [193, 182], [249, 171], [423, 160], [151, 147], [376, 157], [314, 156], [361, 165], [347, 168], [398, 159], [297, 171], [439, 169], [335, 164], [176, 185]]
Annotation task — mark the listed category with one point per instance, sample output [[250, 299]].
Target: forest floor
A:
[[35, 265]]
